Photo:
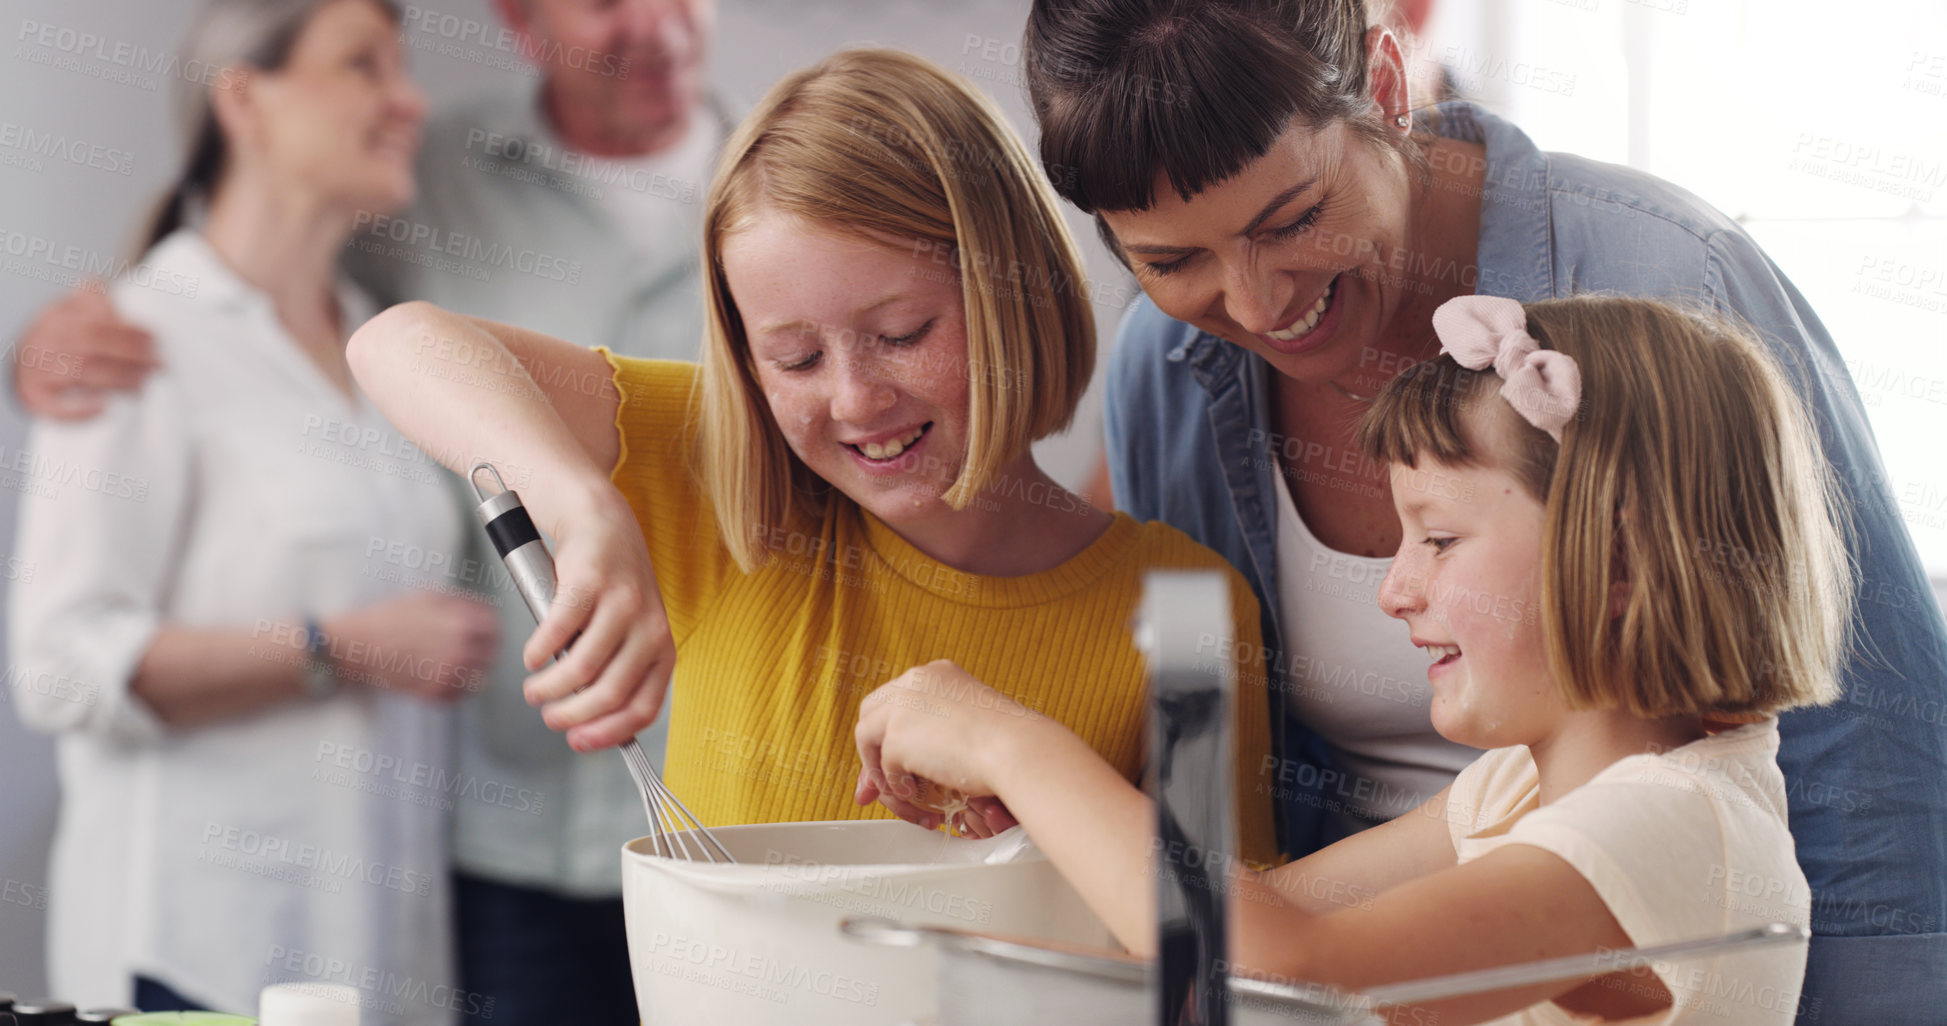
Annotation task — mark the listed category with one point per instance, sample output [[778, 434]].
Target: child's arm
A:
[[465, 390], [938, 723], [1349, 875], [1419, 914], [1515, 904]]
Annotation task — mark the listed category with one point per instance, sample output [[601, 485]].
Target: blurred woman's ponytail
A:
[[193, 187], [228, 40]]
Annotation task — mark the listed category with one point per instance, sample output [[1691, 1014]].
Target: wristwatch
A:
[[320, 682]]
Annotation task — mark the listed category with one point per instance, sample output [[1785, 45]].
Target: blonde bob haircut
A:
[[885, 146], [1691, 475]]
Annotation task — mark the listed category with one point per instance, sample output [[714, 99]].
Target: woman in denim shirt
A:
[[1293, 221]]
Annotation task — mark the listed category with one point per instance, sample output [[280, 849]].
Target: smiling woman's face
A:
[[860, 348], [341, 115], [1301, 257]]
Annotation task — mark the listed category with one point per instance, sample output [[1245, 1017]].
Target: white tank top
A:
[[1354, 677]]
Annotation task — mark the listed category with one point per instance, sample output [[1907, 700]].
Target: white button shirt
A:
[[239, 489]]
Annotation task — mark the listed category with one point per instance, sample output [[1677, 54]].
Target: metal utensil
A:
[[674, 831], [991, 980]]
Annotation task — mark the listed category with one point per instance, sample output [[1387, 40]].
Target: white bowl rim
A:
[[635, 853]]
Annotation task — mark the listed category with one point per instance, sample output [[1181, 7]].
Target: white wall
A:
[[59, 205]]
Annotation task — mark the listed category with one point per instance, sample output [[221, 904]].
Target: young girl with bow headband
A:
[[1622, 561]]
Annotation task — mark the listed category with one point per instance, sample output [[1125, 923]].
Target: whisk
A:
[[674, 832]]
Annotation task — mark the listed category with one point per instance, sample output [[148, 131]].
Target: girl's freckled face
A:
[[860, 350]]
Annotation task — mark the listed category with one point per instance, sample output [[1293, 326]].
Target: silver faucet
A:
[[1184, 630]]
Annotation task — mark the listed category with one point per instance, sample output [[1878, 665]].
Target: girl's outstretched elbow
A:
[[390, 329]]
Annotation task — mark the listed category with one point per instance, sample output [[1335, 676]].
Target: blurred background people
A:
[[199, 631], [567, 202]]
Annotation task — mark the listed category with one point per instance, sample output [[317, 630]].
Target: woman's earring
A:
[[1401, 121]]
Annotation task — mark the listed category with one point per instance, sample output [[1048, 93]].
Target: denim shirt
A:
[[1188, 429]]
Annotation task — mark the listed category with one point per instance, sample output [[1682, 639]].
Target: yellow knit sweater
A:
[[772, 665]]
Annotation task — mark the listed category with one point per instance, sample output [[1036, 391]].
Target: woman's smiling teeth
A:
[[1439, 652], [893, 447], [1306, 323]]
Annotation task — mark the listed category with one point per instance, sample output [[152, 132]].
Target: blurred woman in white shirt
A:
[[228, 622]]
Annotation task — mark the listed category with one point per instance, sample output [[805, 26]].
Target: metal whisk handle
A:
[[518, 542], [672, 826]]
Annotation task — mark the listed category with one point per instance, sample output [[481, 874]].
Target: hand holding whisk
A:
[[674, 831]]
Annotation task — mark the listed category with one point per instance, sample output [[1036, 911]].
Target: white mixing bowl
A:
[[757, 943]]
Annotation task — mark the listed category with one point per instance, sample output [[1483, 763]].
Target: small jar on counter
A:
[[43, 1012], [308, 1004]]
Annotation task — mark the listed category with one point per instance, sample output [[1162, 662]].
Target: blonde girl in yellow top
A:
[[843, 488], [1619, 556]]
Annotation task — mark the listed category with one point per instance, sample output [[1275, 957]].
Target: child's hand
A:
[[609, 604], [936, 727], [934, 806]]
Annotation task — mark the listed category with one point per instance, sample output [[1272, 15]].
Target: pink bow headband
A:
[[1542, 385]]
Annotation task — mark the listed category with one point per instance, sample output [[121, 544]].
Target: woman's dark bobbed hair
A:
[[1196, 89]]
